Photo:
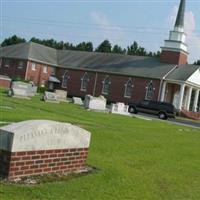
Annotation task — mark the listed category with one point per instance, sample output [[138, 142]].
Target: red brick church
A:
[[120, 78]]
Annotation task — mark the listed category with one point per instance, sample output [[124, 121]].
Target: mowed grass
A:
[[136, 159]]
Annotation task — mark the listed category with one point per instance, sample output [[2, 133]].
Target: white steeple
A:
[[177, 37]]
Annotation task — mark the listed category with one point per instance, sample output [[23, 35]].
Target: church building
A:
[[119, 78]]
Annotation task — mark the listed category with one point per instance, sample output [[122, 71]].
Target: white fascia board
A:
[[195, 77]]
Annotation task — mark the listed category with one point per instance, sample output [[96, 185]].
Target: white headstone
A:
[[77, 101], [50, 97], [61, 95], [95, 103], [21, 89], [119, 108], [35, 135]]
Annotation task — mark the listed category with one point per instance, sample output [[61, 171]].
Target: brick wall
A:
[[190, 115], [22, 164], [13, 67], [5, 83], [116, 89], [173, 57], [38, 76]]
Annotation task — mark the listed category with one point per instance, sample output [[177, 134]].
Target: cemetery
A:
[[134, 158]]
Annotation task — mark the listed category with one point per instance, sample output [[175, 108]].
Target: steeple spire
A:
[[180, 16], [175, 49]]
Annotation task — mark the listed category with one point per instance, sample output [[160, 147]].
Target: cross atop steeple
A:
[[180, 16]]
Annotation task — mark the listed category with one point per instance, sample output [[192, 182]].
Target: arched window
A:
[[84, 82], [149, 91], [106, 84], [128, 88], [65, 79]]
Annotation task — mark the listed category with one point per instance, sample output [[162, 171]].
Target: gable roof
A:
[[182, 72], [30, 51], [140, 66], [18, 51]]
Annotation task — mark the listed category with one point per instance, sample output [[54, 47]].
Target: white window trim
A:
[[53, 71], [7, 64], [20, 65], [82, 79], [103, 82], [66, 72], [45, 69], [33, 68], [125, 91], [147, 90]]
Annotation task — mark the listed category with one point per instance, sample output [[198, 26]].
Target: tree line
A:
[[105, 46]]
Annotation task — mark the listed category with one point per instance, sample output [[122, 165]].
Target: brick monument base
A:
[[16, 164], [22, 164]]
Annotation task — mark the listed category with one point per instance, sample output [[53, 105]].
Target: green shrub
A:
[[41, 89], [17, 78]]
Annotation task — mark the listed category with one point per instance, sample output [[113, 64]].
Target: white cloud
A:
[[193, 40], [104, 29]]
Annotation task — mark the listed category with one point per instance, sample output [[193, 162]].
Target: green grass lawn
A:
[[136, 159]]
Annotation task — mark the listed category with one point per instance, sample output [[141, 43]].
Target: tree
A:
[[197, 62], [132, 50], [69, 46], [105, 46], [85, 46], [141, 51], [157, 54], [118, 49], [36, 40], [12, 40], [60, 45]]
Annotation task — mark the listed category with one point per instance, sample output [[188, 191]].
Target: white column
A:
[[189, 95], [195, 103], [181, 94], [163, 91]]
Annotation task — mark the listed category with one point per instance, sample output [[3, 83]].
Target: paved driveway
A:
[[178, 121]]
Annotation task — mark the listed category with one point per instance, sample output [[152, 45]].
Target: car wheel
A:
[[162, 115], [132, 110]]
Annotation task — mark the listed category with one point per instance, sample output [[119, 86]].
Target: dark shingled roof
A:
[[114, 63], [103, 62], [182, 72], [180, 16], [18, 51], [31, 51]]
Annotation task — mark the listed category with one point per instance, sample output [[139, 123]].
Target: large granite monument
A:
[[77, 101], [61, 95], [50, 97], [42, 146], [95, 103], [119, 108], [22, 90]]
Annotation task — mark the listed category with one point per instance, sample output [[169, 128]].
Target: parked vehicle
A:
[[162, 109]]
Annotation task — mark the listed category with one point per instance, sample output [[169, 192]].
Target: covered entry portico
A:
[[183, 95]]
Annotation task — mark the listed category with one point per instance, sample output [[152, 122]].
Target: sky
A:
[[121, 22]]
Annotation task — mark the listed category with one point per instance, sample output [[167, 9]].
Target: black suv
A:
[[162, 109]]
